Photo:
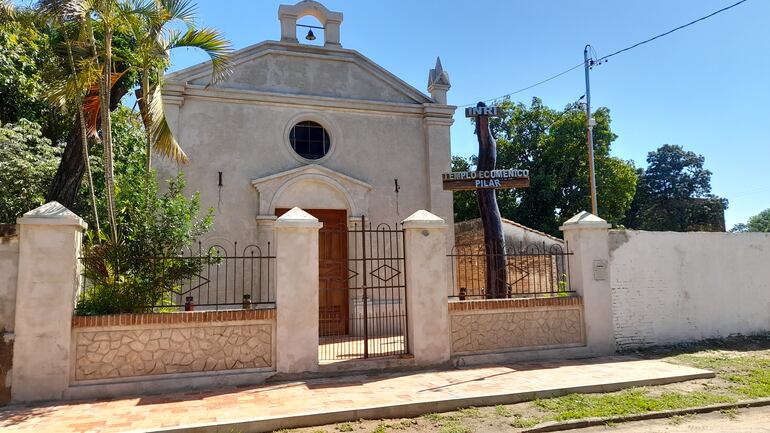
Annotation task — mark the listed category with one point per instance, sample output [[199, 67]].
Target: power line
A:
[[612, 54], [533, 85], [671, 31]]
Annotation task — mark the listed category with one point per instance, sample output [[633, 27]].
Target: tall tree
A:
[[551, 145], [674, 193], [78, 13], [27, 162], [143, 32], [758, 223], [74, 87], [28, 64], [465, 205]]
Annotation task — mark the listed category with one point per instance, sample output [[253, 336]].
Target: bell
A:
[[310, 36]]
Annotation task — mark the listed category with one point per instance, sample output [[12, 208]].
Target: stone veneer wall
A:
[[486, 326], [129, 345]]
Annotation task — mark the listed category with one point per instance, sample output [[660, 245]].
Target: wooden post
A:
[[484, 181], [494, 241]]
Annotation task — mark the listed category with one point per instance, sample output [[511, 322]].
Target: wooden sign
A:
[[491, 179], [481, 111]]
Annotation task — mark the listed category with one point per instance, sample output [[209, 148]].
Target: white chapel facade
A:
[[322, 128]]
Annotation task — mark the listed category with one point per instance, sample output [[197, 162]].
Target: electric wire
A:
[[671, 31], [531, 86], [630, 47]]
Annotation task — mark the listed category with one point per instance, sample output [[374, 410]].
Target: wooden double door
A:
[[333, 293]]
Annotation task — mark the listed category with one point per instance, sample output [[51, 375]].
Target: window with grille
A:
[[310, 140]]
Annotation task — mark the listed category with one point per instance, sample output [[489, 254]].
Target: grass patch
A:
[[381, 428], [503, 411], [396, 425], [438, 419], [629, 402], [454, 427], [521, 422], [345, 427], [748, 374], [404, 424], [471, 412], [731, 413], [753, 384]]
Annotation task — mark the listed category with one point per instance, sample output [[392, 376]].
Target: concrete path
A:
[[329, 400], [754, 420]]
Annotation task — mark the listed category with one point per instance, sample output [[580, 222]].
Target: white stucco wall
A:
[[672, 287], [9, 271]]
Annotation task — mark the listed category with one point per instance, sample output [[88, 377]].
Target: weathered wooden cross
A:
[[485, 180]]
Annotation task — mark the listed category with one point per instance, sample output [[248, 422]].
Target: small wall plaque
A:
[[600, 270]]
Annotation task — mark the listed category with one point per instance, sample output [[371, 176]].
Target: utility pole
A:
[[590, 122]]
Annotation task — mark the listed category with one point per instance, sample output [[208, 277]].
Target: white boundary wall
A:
[[672, 287]]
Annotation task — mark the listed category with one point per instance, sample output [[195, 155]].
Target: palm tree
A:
[[112, 15], [82, 79], [7, 10], [155, 40]]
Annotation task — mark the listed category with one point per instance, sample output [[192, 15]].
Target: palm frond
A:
[[137, 9], [64, 8], [92, 103], [63, 92], [212, 42], [182, 10], [163, 139], [7, 9]]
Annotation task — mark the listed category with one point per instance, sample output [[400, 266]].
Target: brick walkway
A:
[[425, 389]]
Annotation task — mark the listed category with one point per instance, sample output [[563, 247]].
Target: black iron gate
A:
[[362, 292]]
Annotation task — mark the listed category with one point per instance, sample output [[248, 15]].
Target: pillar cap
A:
[[52, 213], [298, 218], [423, 219], [584, 220]]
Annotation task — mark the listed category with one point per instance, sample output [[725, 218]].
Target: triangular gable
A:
[[306, 70]]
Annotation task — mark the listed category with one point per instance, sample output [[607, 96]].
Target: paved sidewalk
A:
[[319, 401]]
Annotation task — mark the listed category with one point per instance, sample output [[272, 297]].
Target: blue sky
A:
[[706, 87]]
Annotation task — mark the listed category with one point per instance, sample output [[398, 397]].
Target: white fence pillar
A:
[[296, 242], [426, 292], [588, 238], [49, 247]]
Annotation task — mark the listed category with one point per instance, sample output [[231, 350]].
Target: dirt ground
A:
[[754, 420]]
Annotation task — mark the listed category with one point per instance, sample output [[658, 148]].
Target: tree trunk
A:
[[109, 173], [494, 240], [66, 182], [83, 129], [143, 99]]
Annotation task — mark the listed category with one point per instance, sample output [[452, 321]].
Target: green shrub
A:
[[28, 162], [144, 266]]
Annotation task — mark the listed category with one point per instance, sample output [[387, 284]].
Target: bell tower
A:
[[331, 21]]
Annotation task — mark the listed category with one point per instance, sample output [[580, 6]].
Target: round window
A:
[[310, 140]]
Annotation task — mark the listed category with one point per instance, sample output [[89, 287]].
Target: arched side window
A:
[[309, 140]]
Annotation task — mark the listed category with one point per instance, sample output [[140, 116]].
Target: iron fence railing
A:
[[218, 277], [532, 270], [362, 293]]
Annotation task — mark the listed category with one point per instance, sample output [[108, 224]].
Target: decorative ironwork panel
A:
[[217, 277], [372, 292], [533, 270]]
